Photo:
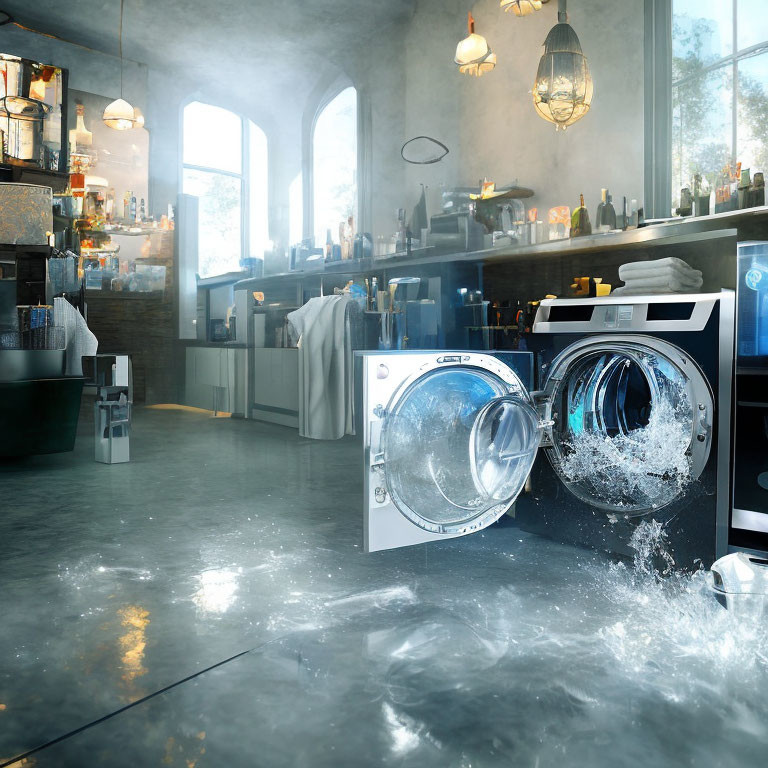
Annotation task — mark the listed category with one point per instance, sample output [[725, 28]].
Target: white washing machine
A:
[[630, 400]]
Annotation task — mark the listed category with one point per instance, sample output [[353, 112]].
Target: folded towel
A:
[[666, 281], [688, 276], [637, 268]]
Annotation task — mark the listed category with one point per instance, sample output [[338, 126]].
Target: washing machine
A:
[[624, 418]]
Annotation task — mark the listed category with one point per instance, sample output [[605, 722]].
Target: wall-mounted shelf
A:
[[22, 174]]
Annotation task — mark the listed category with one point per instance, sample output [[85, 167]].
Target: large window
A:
[[334, 171], [225, 166], [719, 88]]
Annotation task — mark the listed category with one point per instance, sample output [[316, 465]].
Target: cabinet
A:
[[275, 376], [216, 379]]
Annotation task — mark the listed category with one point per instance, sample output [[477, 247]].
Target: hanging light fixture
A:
[[119, 114], [562, 92], [473, 55], [522, 7]]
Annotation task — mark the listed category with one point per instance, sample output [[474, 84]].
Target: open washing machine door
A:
[[632, 420], [450, 451]]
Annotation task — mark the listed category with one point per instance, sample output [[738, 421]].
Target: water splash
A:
[[641, 469], [652, 558]]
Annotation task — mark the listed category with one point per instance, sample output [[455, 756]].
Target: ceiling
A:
[[283, 41]]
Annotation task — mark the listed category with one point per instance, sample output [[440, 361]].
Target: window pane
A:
[[259, 192], [702, 33], [335, 165], [701, 129], [219, 238], [752, 23], [753, 108], [212, 137]]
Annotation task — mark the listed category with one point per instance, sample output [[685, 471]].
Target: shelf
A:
[[681, 232], [25, 248], [124, 232], [58, 181], [97, 295]]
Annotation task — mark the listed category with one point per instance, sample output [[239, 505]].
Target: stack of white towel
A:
[[668, 275]]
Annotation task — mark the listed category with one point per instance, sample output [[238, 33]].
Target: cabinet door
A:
[[196, 395], [237, 382], [276, 380], [208, 366]]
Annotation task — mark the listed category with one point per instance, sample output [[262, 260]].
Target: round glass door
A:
[[632, 423], [459, 443]]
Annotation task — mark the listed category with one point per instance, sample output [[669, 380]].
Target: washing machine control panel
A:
[[613, 316]]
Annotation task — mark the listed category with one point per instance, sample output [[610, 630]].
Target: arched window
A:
[[334, 166], [224, 161]]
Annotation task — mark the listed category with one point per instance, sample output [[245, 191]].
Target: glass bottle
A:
[[606, 213], [80, 136]]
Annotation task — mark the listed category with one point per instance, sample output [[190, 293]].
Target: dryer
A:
[[627, 418]]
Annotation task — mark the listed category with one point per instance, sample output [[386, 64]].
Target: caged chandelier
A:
[[562, 92]]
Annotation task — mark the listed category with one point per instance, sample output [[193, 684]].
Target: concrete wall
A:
[[490, 124], [409, 86]]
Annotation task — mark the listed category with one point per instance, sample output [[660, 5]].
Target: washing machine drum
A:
[[458, 445], [632, 422]]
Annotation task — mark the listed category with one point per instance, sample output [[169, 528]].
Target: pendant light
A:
[[522, 7], [120, 115], [473, 55], [562, 92]]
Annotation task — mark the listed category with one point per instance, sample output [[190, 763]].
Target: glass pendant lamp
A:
[[562, 92], [473, 55], [119, 114], [522, 7]]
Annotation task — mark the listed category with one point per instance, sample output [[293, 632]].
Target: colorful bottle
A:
[[580, 224]]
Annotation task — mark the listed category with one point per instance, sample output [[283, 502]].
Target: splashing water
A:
[[652, 557], [641, 469]]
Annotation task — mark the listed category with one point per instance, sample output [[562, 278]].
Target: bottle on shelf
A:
[[605, 218], [132, 212], [127, 205], [80, 137], [374, 293], [622, 221], [634, 216], [400, 232], [142, 211], [580, 224], [328, 245]]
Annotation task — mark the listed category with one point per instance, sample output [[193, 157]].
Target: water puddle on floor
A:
[[587, 662]]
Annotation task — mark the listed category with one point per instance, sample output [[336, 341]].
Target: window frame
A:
[[323, 96], [244, 176], [659, 99]]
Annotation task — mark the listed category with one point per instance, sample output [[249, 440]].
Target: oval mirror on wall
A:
[[423, 150]]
